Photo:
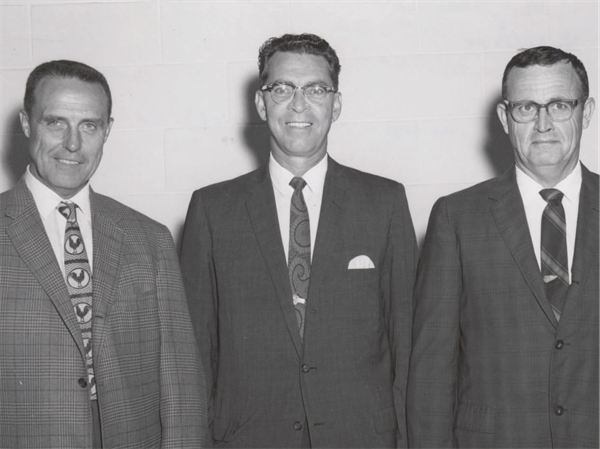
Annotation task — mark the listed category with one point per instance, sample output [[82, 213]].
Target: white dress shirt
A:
[[313, 196], [47, 201], [535, 205]]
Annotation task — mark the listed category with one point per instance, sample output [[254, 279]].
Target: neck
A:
[[297, 165], [548, 177]]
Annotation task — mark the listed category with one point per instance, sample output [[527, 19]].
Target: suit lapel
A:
[[332, 206], [263, 216], [509, 215], [29, 237], [108, 248], [586, 241]]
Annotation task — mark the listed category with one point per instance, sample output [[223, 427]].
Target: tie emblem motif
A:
[[79, 283], [299, 251], [555, 269]]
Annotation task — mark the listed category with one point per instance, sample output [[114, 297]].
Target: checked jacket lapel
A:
[[108, 248], [31, 242]]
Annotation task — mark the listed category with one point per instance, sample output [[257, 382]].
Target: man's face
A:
[[298, 129], [67, 128], [546, 149]]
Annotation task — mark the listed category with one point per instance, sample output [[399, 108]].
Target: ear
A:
[[503, 116], [24, 122], [259, 101], [337, 105], [108, 128], [588, 111]]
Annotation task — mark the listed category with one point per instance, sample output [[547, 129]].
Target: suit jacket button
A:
[[305, 368], [559, 344], [82, 383], [297, 425], [559, 410]]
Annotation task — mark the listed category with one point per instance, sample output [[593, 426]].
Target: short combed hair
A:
[[310, 44], [546, 56], [63, 69]]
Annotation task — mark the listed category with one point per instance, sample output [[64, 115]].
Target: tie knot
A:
[[297, 183], [552, 195], [67, 210]]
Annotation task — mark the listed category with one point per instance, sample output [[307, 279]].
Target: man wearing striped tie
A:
[[505, 337], [96, 344]]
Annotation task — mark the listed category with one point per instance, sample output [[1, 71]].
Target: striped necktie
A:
[[555, 266], [299, 251], [79, 284]]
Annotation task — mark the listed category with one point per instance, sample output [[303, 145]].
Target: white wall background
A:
[[420, 81]]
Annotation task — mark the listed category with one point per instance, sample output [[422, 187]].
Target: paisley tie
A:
[[299, 251]]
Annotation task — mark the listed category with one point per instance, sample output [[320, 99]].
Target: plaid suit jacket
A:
[[490, 365], [149, 378]]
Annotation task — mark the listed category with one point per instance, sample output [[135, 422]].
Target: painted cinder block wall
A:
[[420, 82]]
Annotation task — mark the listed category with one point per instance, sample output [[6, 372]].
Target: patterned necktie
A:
[[555, 266], [79, 283], [299, 251]]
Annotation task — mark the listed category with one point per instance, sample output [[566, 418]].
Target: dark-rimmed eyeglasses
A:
[[528, 111], [315, 94]]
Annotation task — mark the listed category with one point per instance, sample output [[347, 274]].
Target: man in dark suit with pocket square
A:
[[505, 338], [299, 277], [96, 344]]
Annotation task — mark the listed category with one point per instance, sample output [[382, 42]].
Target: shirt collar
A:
[[281, 177], [570, 186], [46, 199]]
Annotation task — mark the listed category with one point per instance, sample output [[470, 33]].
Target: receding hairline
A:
[[60, 77]]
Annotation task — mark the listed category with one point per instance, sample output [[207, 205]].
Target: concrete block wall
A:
[[420, 82]]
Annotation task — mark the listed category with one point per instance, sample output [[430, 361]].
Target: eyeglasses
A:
[[528, 111], [315, 94]]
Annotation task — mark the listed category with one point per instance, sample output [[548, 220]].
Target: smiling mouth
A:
[[299, 124], [67, 162]]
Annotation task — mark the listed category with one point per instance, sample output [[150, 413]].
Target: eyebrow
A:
[[321, 82], [49, 117]]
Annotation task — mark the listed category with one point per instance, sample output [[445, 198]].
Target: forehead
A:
[[298, 68], [543, 83], [70, 94]]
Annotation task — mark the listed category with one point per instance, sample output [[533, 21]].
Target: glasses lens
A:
[[282, 92], [560, 110], [524, 112], [315, 94]]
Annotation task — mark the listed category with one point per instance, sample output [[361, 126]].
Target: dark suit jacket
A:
[[491, 366], [148, 374], [348, 378]]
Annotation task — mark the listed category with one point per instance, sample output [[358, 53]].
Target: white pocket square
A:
[[361, 263]]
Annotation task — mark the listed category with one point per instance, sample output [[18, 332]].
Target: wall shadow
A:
[[15, 148], [497, 147], [255, 137], [255, 132]]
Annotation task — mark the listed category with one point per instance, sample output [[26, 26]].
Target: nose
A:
[[298, 103], [543, 122], [73, 140]]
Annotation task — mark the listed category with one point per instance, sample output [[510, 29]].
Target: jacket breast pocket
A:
[[475, 418]]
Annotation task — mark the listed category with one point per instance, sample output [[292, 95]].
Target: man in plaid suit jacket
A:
[[147, 387]]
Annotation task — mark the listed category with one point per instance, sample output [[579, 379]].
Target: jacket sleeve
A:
[[432, 384], [398, 277], [200, 286], [182, 389]]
